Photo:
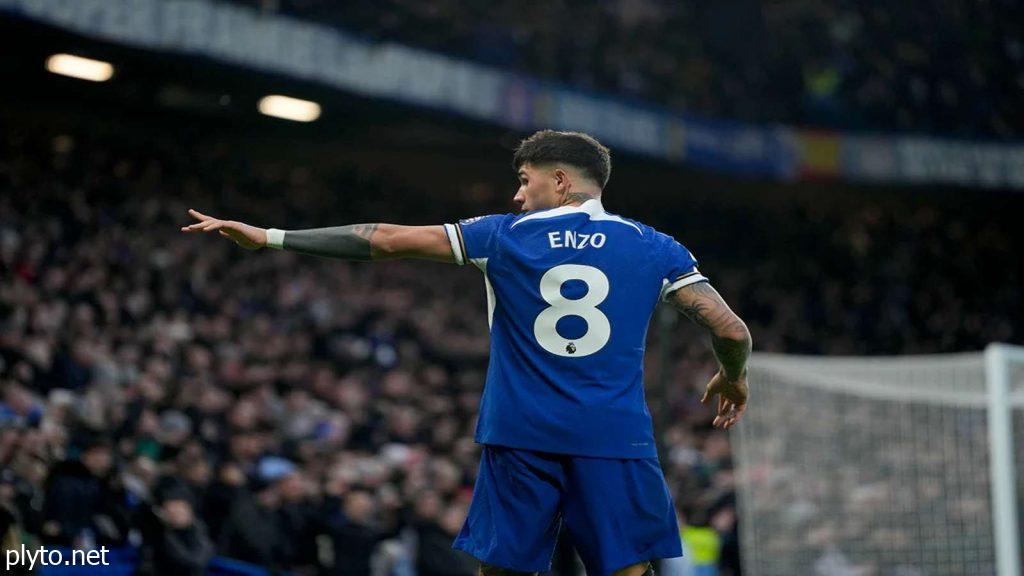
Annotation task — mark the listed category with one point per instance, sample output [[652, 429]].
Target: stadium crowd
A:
[[842, 64], [177, 393]]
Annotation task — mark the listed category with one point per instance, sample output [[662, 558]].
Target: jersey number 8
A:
[[598, 329]]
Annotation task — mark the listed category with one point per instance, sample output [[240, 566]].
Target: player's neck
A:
[[578, 198]]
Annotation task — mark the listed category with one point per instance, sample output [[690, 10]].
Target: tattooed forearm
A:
[[702, 304], [730, 338], [348, 242], [732, 355]]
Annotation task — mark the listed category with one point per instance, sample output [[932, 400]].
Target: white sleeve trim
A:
[[691, 278], [275, 238], [453, 239]]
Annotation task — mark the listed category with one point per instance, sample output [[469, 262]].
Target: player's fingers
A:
[[730, 414], [723, 406], [713, 387], [728, 421], [200, 225], [232, 225], [209, 225], [737, 414], [198, 215]]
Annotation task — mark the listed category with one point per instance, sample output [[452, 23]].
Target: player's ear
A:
[[562, 181]]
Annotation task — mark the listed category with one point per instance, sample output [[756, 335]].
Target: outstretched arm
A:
[[353, 242], [731, 342]]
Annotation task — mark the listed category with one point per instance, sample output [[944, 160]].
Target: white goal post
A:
[[1005, 395], [883, 466]]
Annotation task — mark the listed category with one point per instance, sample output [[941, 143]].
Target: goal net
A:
[[902, 466]]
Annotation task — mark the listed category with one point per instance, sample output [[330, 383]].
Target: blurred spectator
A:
[[79, 499], [253, 531], [181, 545], [436, 529], [356, 533], [226, 490], [300, 519], [10, 518]]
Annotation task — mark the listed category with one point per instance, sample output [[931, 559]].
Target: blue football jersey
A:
[[570, 293]]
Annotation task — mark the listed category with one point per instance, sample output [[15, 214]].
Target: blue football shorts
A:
[[617, 512]]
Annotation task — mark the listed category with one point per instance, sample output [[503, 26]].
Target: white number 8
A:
[[598, 329]]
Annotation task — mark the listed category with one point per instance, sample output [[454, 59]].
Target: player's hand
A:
[[732, 399], [246, 236]]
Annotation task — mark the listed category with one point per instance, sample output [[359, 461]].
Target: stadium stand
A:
[[844, 64]]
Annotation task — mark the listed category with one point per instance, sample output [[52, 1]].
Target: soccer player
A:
[[571, 288]]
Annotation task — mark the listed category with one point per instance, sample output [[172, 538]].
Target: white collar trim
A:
[[592, 208]]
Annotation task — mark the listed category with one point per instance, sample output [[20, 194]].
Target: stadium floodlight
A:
[[79, 67], [289, 108]]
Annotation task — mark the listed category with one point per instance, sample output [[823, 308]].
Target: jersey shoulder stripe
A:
[[680, 282]]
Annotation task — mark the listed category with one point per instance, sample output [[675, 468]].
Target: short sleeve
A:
[[680, 267], [474, 238]]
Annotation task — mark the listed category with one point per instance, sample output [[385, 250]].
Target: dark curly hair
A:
[[572, 148]]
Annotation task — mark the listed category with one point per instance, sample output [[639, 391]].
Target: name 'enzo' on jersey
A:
[[577, 240]]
